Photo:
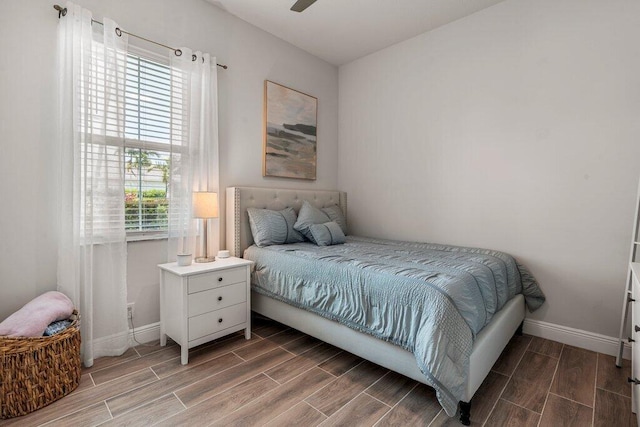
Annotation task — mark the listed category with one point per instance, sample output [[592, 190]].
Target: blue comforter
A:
[[430, 299]]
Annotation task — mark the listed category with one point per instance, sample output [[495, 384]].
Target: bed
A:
[[487, 340]]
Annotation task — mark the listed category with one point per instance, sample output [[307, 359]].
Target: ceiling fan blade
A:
[[301, 5]]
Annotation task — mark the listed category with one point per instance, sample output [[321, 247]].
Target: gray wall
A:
[[27, 126], [516, 128]]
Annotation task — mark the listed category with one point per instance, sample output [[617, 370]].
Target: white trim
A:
[[150, 55], [575, 337], [145, 334], [143, 236]]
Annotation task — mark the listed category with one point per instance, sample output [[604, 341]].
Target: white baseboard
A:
[[145, 334], [575, 337]]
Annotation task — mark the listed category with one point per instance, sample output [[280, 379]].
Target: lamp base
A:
[[205, 259]]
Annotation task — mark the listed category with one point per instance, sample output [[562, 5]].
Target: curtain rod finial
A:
[[62, 11]]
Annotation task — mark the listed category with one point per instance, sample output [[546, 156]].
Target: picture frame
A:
[[290, 133]]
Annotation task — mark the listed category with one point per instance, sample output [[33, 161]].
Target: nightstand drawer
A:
[[203, 282], [216, 299], [215, 321]]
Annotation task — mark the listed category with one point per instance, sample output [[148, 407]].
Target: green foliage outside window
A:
[[149, 212], [153, 207]]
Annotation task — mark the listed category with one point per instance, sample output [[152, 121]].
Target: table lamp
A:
[[205, 206]]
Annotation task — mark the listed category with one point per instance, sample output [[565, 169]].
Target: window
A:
[[131, 125], [147, 145]]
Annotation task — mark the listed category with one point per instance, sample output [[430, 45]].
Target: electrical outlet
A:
[[130, 310]]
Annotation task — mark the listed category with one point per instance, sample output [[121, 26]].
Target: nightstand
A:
[[203, 302]]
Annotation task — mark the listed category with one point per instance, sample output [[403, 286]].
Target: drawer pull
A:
[[631, 339], [633, 380], [219, 298], [219, 279], [629, 299], [220, 320], [637, 328]]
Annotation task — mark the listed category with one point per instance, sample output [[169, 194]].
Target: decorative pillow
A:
[[336, 215], [273, 227], [310, 215], [56, 327], [327, 234]]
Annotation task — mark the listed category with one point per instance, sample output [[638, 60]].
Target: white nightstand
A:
[[202, 302]]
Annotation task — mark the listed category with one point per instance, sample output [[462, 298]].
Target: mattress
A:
[[430, 299]]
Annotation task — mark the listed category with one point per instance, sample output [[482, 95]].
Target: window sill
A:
[[141, 237]]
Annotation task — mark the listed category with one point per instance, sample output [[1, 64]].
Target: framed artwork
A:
[[290, 130]]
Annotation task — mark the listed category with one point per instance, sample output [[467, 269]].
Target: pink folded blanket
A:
[[32, 319]]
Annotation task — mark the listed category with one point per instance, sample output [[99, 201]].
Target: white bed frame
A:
[[487, 347]]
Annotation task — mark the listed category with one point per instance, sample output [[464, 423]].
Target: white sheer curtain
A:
[[194, 133], [92, 240]]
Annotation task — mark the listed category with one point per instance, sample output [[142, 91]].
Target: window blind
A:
[[148, 100], [131, 120], [100, 118]]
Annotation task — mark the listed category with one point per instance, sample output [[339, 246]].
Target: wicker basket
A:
[[38, 371]]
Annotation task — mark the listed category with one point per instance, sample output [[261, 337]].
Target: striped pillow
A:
[[310, 215], [327, 234], [273, 227]]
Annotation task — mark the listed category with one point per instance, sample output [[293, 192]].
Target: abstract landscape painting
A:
[[290, 133]]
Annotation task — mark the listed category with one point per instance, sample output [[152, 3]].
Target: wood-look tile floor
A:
[[283, 377]]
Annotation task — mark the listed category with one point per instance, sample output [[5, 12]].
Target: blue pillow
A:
[[310, 215], [273, 227], [327, 234], [335, 213], [56, 327]]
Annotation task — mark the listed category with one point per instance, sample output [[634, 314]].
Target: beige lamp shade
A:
[[205, 204]]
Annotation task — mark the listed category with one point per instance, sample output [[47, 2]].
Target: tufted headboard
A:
[[240, 198]]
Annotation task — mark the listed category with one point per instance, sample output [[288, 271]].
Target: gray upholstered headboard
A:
[[240, 198]]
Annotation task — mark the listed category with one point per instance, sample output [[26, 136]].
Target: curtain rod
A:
[[62, 11]]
